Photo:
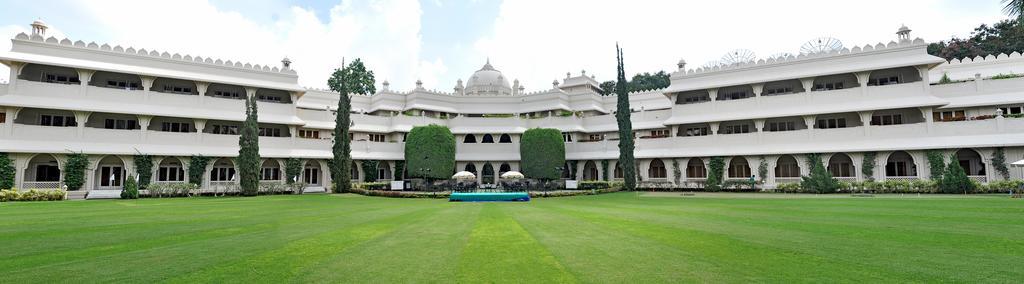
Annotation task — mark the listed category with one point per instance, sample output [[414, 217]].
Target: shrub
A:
[[7, 172], [739, 185], [955, 180], [820, 180], [172, 189], [143, 168], [762, 170], [372, 185], [430, 152], [292, 169], [1001, 186], [370, 170], [399, 170], [32, 195], [74, 171], [542, 152], [789, 187], [130, 190], [715, 172]]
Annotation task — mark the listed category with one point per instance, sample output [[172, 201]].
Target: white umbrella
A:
[[464, 175], [1018, 163], [512, 175]]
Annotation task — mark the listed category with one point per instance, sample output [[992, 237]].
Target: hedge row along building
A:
[[112, 102]]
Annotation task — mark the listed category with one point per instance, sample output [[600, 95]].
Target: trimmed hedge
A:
[[74, 171], [32, 195], [542, 152], [430, 152]]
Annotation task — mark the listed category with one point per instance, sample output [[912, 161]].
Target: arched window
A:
[[618, 171], [505, 138], [695, 168], [470, 138], [487, 139], [657, 169], [900, 164], [355, 171], [840, 165], [504, 168], [787, 167], [971, 161], [471, 168], [590, 171], [738, 168]]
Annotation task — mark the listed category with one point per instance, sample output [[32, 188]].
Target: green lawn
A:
[[609, 238]]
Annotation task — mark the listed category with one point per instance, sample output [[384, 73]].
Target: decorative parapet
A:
[[789, 58], [67, 43], [989, 58]]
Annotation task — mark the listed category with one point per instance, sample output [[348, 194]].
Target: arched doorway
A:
[[270, 171], [657, 169], [900, 165], [43, 172], [312, 174], [170, 170], [695, 169], [504, 168], [618, 171], [383, 171], [488, 174], [787, 169], [223, 172], [841, 166], [971, 161], [590, 171], [110, 173], [738, 168], [470, 167]]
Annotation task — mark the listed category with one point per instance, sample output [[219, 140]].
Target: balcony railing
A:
[[902, 178], [781, 180], [980, 179], [42, 185]]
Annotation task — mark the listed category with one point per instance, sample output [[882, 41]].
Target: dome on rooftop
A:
[[488, 81]]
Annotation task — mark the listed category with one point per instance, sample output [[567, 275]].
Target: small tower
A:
[[286, 63], [39, 28], [681, 64], [903, 33], [515, 87], [459, 87], [386, 85], [554, 84], [419, 84]]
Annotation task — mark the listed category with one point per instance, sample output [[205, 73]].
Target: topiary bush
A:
[[820, 180], [74, 171], [955, 180], [370, 170], [542, 152], [130, 190], [936, 164], [716, 169], [7, 172], [430, 152], [143, 168]]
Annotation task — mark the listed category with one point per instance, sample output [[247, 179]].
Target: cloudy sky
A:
[[441, 41]]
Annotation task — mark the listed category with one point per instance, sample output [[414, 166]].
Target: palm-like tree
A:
[[1015, 9]]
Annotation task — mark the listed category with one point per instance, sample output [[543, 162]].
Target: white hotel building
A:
[[112, 102]]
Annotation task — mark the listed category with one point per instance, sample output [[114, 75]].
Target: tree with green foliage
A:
[[999, 163], [370, 170], [292, 170], [1014, 9], [622, 117], [762, 170], [936, 164], [7, 172], [74, 170], [604, 170], [348, 80], [1003, 37], [196, 168], [430, 152], [144, 169], [955, 180], [640, 82], [399, 170], [130, 190], [868, 167], [716, 170], [820, 180], [542, 152], [249, 151]]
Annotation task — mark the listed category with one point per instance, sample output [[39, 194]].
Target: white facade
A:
[[878, 98]]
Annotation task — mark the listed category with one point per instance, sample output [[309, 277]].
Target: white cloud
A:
[[537, 41], [384, 33]]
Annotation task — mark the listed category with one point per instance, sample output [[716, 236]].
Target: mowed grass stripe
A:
[[429, 248], [598, 254], [501, 251], [289, 261]]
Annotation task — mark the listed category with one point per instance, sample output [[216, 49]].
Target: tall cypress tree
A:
[[249, 151], [622, 116], [350, 79]]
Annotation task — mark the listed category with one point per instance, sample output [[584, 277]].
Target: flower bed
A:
[[33, 195]]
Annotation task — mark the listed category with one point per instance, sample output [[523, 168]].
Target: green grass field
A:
[[609, 238]]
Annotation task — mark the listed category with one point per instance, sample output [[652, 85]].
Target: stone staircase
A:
[[103, 194]]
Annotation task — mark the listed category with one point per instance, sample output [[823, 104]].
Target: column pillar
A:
[[865, 121], [807, 84], [479, 173], [926, 112], [147, 84], [713, 126], [20, 165], [144, 121], [81, 118], [12, 82], [809, 122], [201, 88], [199, 124], [862, 80], [925, 79], [757, 89], [579, 169], [84, 77]]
